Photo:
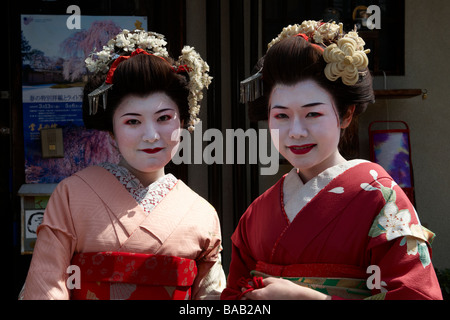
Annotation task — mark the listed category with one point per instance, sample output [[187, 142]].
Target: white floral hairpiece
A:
[[197, 70], [128, 41], [321, 33]]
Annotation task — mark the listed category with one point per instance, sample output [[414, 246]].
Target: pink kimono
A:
[[159, 242]]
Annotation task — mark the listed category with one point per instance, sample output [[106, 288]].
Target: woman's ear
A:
[[348, 117]]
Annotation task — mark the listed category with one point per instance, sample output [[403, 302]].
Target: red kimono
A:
[[355, 229]]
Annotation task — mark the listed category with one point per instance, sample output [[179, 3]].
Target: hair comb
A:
[[94, 97], [251, 88]]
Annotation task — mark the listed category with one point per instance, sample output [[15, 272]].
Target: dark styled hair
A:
[[139, 75], [294, 59]]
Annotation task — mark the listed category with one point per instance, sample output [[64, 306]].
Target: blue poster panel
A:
[[53, 76]]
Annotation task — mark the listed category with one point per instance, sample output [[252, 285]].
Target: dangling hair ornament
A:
[[199, 79], [251, 88], [130, 43], [344, 54]]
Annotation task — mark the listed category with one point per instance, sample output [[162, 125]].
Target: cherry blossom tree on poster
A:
[[53, 76]]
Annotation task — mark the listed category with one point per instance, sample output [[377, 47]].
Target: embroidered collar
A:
[[147, 197]]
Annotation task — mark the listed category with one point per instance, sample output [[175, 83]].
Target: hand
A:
[[282, 289]]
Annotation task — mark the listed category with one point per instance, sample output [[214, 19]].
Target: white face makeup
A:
[[147, 130], [308, 127]]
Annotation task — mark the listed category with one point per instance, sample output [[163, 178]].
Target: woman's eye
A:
[[165, 117], [132, 122], [313, 115], [281, 116]]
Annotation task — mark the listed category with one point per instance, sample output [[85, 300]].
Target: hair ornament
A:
[[345, 61], [123, 44], [317, 31], [197, 70], [251, 88], [344, 54], [129, 43]]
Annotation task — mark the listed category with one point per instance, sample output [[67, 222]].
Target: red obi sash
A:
[[133, 276]]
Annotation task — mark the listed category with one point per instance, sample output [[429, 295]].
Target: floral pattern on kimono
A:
[[394, 223]]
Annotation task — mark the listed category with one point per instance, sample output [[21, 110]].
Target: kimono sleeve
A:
[[210, 279], [400, 251], [53, 252], [402, 275], [241, 264]]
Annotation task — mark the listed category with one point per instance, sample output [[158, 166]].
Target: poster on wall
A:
[[53, 76]]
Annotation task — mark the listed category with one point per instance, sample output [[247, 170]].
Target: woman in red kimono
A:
[[330, 228], [128, 230]]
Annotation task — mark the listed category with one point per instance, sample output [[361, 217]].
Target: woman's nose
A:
[[297, 129], [151, 134]]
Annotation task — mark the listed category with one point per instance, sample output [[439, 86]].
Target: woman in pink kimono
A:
[[330, 228], [128, 230]]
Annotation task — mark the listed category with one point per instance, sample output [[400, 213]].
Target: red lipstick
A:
[[303, 149], [151, 151]]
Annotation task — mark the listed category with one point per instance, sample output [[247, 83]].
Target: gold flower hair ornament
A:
[[345, 61], [128, 43], [344, 54]]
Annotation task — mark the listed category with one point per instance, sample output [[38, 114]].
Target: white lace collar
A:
[[147, 197]]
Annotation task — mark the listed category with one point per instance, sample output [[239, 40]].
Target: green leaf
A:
[[388, 194], [376, 229], [403, 242], [424, 254]]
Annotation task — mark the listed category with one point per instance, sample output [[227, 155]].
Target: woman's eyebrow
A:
[[308, 105], [312, 104], [165, 109], [278, 107], [130, 114], [138, 114]]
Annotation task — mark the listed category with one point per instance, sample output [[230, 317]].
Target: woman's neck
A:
[[146, 178], [307, 174]]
